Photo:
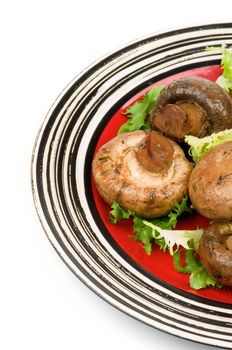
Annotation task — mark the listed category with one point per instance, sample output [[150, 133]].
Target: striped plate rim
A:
[[60, 169]]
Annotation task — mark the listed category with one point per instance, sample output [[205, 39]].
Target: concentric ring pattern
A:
[[61, 168]]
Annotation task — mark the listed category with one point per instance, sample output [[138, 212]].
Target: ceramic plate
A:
[[87, 114]]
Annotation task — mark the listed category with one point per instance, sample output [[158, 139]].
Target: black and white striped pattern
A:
[[61, 186]]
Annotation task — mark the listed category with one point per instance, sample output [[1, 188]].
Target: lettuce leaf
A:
[[144, 233], [160, 231], [189, 240], [227, 64], [139, 110], [224, 83], [200, 146], [225, 80], [199, 277], [175, 238], [118, 213]]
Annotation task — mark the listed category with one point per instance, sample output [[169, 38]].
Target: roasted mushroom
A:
[[193, 106], [210, 183], [215, 250], [143, 171]]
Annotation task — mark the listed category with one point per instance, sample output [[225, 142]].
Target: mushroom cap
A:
[[210, 183], [215, 255], [144, 172], [197, 106]]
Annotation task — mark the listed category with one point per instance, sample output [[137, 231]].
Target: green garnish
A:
[[118, 213], [175, 238], [199, 277], [227, 68], [161, 232], [138, 112], [225, 80], [200, 146], [189, 240], [143, 233]]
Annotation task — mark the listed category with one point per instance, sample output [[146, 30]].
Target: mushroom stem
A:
[[196, 118], [178, 120], [156, 155]]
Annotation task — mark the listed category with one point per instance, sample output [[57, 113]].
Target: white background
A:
[[44, 45]]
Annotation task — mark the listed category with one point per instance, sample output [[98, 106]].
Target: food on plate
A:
[[210, 183], [191, 105], [215, 250], [145, 176], [144, 171]]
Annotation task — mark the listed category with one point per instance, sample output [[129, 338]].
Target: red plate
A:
[[158, 263]]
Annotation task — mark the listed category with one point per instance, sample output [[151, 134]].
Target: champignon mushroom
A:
[[215, 252], [210, 183], [192, 105], [144, 172]]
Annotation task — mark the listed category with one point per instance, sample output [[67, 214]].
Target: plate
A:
[[85, 115]]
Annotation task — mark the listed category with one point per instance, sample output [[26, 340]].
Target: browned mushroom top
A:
[[215, 250], [143, 171], [192, 105], [210, 184]]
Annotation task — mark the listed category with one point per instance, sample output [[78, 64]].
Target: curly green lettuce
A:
[[199, 277], [225, 80], [161, 231], [174, 239], [143, 233], [138, 112], [185, 241], [200, 146]]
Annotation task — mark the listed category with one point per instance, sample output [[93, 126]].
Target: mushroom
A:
[[210, 183], [215, 252], [192, 105], [144, 172]]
